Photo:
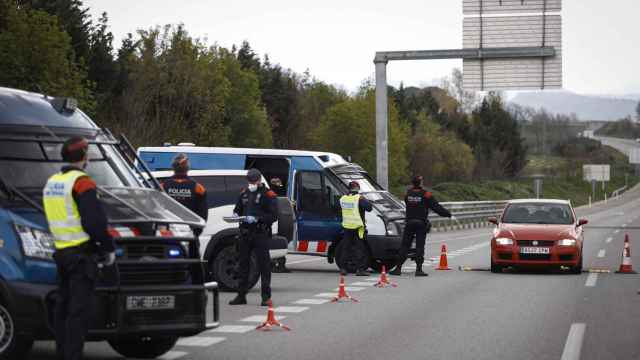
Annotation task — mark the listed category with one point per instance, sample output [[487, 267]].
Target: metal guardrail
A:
[[469, 215], [616, 193]]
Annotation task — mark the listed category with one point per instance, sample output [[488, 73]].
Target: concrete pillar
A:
[[382, 144]]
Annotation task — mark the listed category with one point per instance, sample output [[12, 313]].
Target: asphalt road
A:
[[448, 315]]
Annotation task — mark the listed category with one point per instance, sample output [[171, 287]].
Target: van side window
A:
[[216, 193], [317, 195]]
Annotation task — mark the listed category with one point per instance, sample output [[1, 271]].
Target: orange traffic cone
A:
[[443, 259], [271, 320], [626, 266], [342, 293], [384, 280]]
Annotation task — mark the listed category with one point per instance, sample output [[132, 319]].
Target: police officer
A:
[[352, 246], [418, 202], [259, 207], [79, 227], [185, 190]]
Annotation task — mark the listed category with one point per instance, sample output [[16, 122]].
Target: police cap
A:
[[417, 180], [74, 149], [180, 163]]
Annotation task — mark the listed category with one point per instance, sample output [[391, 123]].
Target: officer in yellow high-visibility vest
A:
[[79, 227], [352, 247]]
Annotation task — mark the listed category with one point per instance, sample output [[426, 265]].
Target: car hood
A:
[[536, 231]]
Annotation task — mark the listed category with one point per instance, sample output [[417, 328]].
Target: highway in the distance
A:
[[448, 315]]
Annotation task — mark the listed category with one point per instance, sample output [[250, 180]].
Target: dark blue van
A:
[[160, 293]]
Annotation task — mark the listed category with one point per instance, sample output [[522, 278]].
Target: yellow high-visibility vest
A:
[[61, 210], [351, 212]]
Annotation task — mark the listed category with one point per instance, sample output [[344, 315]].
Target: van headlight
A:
[[392, 228], [567, 242], [36, 243], [504, 241]]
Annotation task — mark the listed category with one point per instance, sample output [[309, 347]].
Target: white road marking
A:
[[171, 355], [591, 280], [200, 341], [609, 239], [362, 283], [350, 288], [234, 329], [624, 225], [311, 301], [326, 295], [617, 231], [304, 261], [573, 346], [601, 253], [290, 309], [258, 318]]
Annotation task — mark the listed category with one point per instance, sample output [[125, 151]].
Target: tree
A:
[[36, 55], [638, 111], [348, 129]]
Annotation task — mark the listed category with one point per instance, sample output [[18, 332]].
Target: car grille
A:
[[505, 256], [137, 251], [565, 257], [153, 274], [540, 257], [545, 243]]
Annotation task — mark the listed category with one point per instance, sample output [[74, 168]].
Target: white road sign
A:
[[634, 156], [596, 172]]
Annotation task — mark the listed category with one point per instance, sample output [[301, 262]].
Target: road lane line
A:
[[591, 280], [304, 261], [234, 329], [601, 253], [362, 283], [617, 231], [311, 301], [350, 288], [326, 295], [258, 318], [200, 341], [573, 346], [291, 309], [172, 355], [609, 239]]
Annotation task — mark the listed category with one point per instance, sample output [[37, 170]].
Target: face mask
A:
[[253, 187]]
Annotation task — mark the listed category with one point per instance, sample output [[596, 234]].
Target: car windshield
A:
[[538, 213]]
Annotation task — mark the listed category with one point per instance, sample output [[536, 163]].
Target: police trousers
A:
[[414, 228], [256, 241], [77, 273], [352, 249]]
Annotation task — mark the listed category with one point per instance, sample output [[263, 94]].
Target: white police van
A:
[[314, 182]]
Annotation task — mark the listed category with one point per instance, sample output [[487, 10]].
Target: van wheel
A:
[[224, 268], [377, 264], [12, 346], [143, 347]]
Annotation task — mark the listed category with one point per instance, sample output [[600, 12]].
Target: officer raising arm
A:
[[185, 190], [258, 205], [79, 227], [418, 202]]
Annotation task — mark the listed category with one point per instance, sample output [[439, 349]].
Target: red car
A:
[[537, 233]]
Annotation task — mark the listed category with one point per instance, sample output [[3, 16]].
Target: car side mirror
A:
[[493, 220], [583, 222]]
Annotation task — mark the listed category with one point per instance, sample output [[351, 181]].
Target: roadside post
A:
[[507, 45]]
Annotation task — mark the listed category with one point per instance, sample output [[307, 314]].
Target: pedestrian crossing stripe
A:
[[200, 341]]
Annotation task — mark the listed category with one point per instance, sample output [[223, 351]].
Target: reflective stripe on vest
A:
[[61, 210], [351, 212]]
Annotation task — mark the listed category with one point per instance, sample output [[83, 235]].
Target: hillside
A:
[[587, 107]]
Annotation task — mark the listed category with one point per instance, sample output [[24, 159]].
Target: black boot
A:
[[397, 271], [240, 299], [362, 272], [419, 272], [343, 272], [265, 300]]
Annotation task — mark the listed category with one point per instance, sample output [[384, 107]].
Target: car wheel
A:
[[12, 346], [143, 347], [496, 269], [224, 268], [577, 270]]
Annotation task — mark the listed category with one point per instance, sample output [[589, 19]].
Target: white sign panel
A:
[[634, 156], [512, 24], [588, 134], [596, 172]]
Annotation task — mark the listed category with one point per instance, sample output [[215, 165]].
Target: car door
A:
[[317, 211]]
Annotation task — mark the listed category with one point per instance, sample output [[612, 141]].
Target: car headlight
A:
[[504, 241], [36, 243], [181, 230], [392, 229], [567, 242]]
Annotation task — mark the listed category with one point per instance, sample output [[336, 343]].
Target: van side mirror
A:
[[583, 222], [493, 220]]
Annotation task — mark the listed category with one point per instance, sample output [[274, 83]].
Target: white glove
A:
[[109, 259], [251, 220], [454, 218]]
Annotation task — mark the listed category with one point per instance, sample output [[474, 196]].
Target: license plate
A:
[[156, 302], [534, 250]]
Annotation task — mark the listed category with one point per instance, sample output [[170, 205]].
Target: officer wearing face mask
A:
[[259, 207]]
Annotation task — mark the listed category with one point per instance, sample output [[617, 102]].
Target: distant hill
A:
[[587, 107]]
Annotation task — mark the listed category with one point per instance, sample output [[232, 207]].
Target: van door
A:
[[317, 211]]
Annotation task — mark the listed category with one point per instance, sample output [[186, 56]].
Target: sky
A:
[[336, 39]]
